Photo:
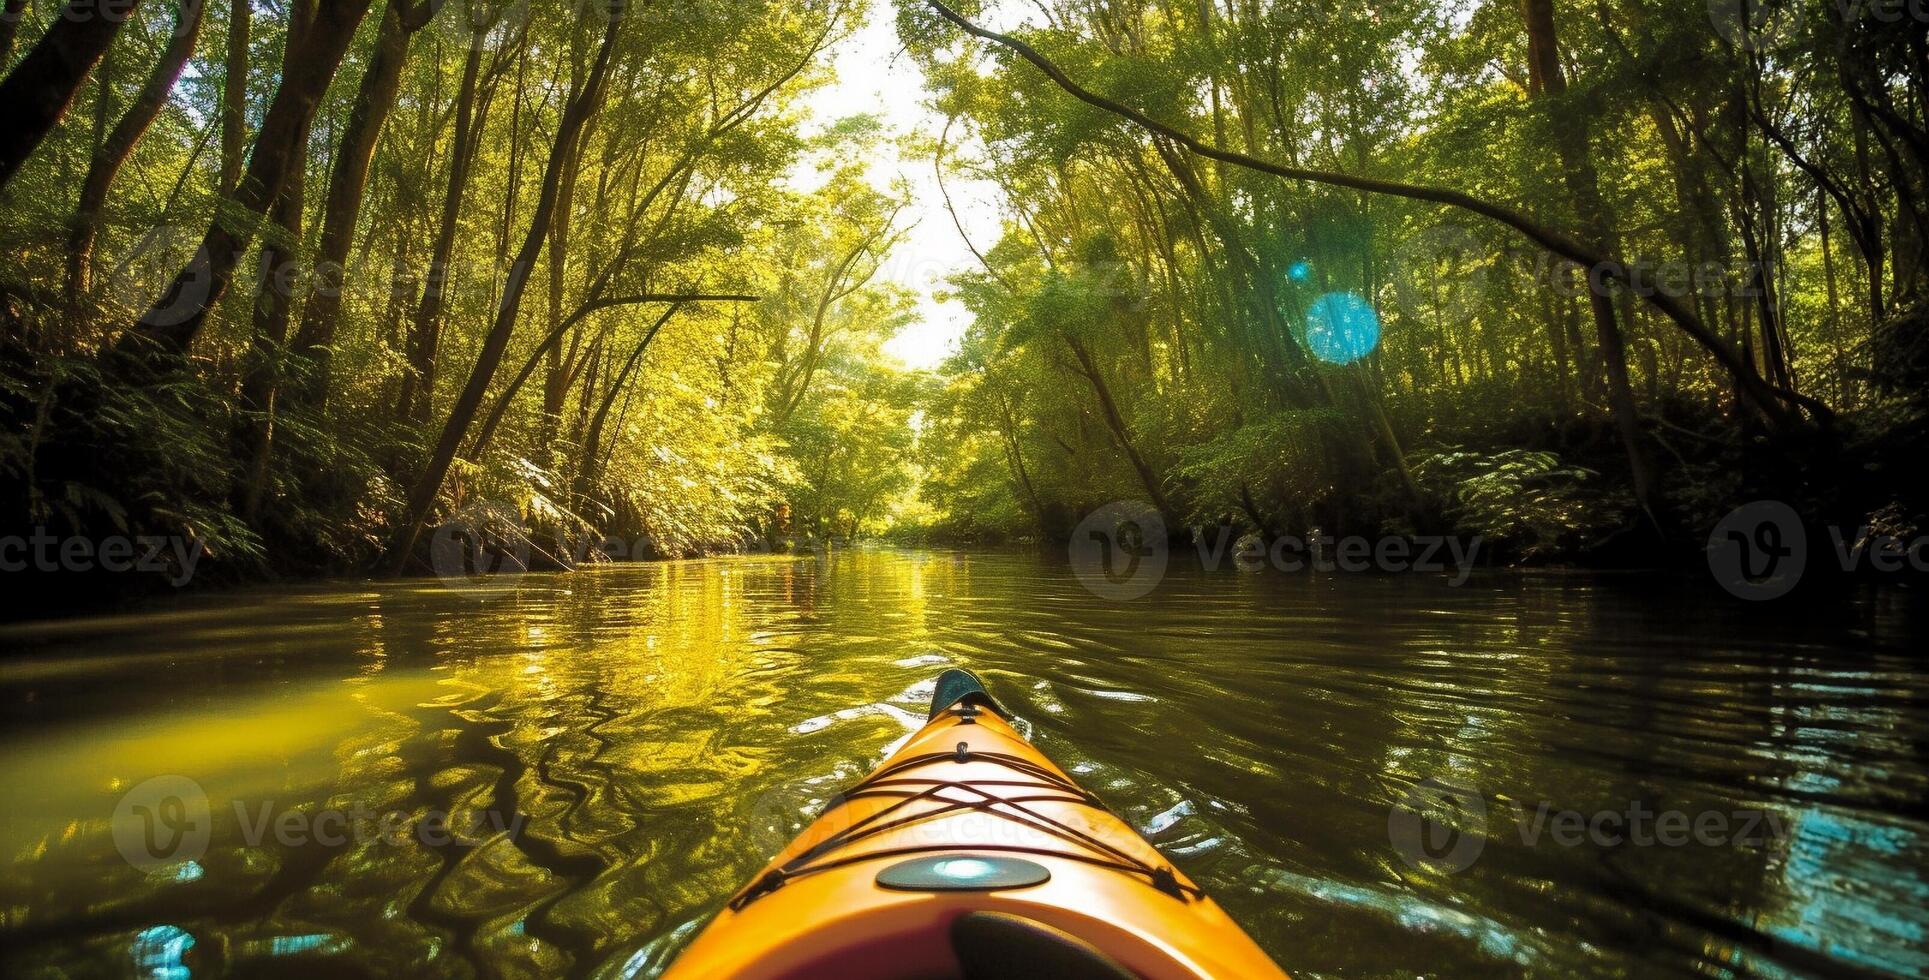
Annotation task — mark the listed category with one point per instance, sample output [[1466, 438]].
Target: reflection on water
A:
[[629, 744]]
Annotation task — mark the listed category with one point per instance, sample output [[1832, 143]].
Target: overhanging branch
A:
[[1764, 396]]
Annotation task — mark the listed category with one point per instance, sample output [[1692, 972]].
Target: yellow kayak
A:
[[967, 853]]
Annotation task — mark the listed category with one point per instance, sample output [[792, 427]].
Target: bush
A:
[[1526, 503]]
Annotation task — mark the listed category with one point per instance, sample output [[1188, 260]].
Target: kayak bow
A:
[[967, 853]]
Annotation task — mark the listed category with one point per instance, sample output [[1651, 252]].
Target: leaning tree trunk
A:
[[39, 90], [260, 381], [587, 470], [1547, 84], [274, 287], [422, 496], [308, 376], [418, 383], [120, 144], [170, 326], [550, 344], [1109, 409]]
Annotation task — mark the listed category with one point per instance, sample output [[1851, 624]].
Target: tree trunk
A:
[[422, 496], [38, 91], [551, 344], [587, 469], [373, 101], [260, 382], [1833, 316], [1779, 407], [234, 95], [1868, 232], [1396, 454], [274, 286], [103, 104], [418, 383], [593, 363], [120, 144], [1547, 84], [1088, 367], [1015, 452], [170, 326], [553, 380]]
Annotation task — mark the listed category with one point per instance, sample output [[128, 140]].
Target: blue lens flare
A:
[[1299, 271], [1341, 328]]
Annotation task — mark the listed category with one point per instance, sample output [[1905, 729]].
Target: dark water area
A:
[[564, 774]]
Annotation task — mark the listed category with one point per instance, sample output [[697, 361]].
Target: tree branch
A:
[[1607, 268], [535, 357]]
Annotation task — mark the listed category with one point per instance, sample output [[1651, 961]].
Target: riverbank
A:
[[1833, 567]]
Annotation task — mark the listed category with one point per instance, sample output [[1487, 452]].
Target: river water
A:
[[566, 773]]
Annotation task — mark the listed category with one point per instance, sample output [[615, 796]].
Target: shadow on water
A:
[[562, 774]]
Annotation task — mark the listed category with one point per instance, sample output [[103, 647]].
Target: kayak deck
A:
[[967, 853]]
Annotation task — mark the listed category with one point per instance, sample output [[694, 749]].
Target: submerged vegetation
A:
[[303, 280]]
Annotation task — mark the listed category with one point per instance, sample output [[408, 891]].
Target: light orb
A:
[[1341, 328]]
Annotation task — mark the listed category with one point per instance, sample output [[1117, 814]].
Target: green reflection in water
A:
[[598, 759]]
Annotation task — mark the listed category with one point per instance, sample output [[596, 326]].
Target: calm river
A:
[[567, 773]]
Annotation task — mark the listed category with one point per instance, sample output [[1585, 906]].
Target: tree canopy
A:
[[306, 281]]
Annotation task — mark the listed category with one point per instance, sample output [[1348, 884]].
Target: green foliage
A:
[[695, 433], [1175, 288], [93, 460], [1137, 320], [1286, 465], [1526, 503]]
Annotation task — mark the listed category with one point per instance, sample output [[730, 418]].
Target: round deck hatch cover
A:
[[962, 873]]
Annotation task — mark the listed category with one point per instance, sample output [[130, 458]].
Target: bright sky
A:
[[874, 76]]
